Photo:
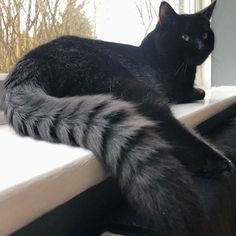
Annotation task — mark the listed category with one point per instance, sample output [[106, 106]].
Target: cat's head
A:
[[186, 36]]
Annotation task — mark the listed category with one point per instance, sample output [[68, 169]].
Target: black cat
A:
[[113, 100]]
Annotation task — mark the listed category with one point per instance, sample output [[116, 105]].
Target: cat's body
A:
[[113, 99]]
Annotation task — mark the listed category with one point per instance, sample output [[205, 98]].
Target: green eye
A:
[[185, 37], [205, 35]]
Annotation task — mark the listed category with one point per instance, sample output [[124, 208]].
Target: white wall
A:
[[224, 55]]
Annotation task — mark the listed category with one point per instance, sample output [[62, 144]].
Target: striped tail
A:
[[124, 141]]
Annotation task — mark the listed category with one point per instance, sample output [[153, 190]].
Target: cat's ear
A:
[[207, 12], [166, 13]]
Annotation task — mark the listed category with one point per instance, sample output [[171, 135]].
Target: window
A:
[[24, 24]]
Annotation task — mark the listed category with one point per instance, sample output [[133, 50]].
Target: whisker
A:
[[179, 68], [215, 60], [185, 68]]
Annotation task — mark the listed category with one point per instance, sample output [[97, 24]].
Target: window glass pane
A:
[[24, 24], [127, 21]]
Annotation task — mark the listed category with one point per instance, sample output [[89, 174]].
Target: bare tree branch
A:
[[147, 13], [24, 24]]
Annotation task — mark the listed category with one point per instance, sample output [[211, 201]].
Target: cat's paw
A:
[[198, 94], [188, 97], [206, 163]]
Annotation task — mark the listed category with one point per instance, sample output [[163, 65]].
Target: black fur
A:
[[113, 99], [176, 57]]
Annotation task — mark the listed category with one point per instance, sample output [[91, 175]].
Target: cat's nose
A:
[[200, 45]]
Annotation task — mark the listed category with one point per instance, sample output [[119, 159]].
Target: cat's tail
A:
[[123, 140]]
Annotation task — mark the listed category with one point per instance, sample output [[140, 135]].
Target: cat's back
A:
[[77, 46], [71, 65], [73, 54]]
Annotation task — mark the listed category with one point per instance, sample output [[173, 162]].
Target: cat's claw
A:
[[212, 169]]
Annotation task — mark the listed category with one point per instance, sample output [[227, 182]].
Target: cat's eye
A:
[[185, 37], [205, 35]]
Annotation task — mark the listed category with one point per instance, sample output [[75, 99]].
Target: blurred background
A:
[[25, 24]]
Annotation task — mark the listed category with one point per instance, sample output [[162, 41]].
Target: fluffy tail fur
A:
[[123, 140]]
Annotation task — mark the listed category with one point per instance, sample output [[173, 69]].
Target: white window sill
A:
[[36, 176], [2, 76]]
